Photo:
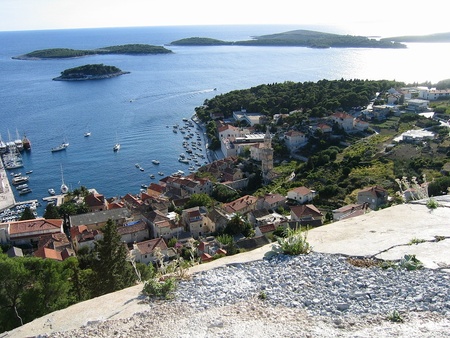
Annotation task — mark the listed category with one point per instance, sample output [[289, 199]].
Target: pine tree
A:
[[112, 271]]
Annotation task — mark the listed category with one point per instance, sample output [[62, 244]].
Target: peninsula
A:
[[89, 72], [297, 38], [64, 53]]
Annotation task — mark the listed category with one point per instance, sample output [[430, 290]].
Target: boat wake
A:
[[173, 95]]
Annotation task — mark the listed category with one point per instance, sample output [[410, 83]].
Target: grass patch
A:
[[295, 242]]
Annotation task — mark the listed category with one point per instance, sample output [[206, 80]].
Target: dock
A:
[[7, 199]]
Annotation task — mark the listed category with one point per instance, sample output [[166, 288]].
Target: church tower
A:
[[267, 158]]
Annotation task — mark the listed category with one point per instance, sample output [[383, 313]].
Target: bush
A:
[[295, 242], [158, 289], [410, 262]]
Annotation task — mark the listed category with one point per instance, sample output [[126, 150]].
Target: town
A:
[[242, 200]]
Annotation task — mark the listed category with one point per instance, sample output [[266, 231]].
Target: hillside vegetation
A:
[[299, 38], [58, 53]]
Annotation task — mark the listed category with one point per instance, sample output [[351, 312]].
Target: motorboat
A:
[[87, 134], [51, 191], [22, 186], [116, 147], [152, 176], [62, 146], [24, 191], [19, 180], [155, 162]]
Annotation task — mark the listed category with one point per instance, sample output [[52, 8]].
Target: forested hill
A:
[[59, 53], [432, 38], [300, 38], [89, 72]]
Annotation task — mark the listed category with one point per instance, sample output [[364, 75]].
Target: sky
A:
[[378, 18]]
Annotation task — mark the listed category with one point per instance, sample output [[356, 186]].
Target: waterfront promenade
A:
[[7, 199]]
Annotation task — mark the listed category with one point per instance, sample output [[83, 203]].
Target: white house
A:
[[301, 195], [344, 120], [294, 139]]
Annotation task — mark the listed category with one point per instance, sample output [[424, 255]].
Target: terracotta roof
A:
[[240, 203], [306, 210], [35, 226], [267, 228], [301, 191], [274, 198], [48, 253], [293, 133], [93, 200], [147, 247]]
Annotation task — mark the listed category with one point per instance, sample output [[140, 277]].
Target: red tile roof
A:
[[35, 226], [147, 247]]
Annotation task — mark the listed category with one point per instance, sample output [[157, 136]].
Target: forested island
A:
[[431, 38], [297, 38], [63, 53], [89, 72]]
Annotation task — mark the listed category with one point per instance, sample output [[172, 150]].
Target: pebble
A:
[[320, 283]]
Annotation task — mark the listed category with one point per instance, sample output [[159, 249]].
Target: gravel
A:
[[315, 295]]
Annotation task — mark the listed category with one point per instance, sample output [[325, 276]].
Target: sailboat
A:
[[87, 133], [117, 145], [64, 187]]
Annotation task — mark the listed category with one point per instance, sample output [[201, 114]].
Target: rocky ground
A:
[[315, 295]]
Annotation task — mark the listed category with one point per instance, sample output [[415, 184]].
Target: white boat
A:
[[22, 186], [87, 134], [155, 162], [152, 176], [51, 191], [19, 180], [117, 145], [183, 160], [64, 187], [160, 173], [24, 191], [62, 146]]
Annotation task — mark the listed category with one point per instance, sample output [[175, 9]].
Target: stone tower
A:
[[267, 158]]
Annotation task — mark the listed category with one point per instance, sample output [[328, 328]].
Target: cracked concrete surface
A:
[[387, 234]]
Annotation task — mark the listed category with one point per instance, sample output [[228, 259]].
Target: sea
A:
[[139, 109]]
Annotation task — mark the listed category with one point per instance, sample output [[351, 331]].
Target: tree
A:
[[198, 200], [238, 226], [27, 214], [51, 212], [111, 269]]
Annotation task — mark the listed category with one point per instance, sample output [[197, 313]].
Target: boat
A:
[[144, 186], [25, 191], [155, 162], [137, 165], [29, 172], [117, 145], [26, 143], [160, 173], [87, 134], [12, 159], [64, 187], [51, 191], [19, 180], [183, 160], [22, 186], [141, 169], [62, 146], [18, 142], [152, 176], [3, 147]]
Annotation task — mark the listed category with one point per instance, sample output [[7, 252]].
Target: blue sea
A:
[[139, 109]]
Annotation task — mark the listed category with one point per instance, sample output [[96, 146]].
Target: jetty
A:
[[7, 199]]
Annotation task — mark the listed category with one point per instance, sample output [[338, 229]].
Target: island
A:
[[89, 72], [430, 38], [297, 38], [64, 53]]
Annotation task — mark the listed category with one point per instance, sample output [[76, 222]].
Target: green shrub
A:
[[262, 295], [410, 262], [416, 241], [160, 289], [395, 317], [432, 203], [295, 242]]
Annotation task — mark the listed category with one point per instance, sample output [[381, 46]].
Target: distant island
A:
[[298, 38], [431, 38], [90, 72], [63, 53]]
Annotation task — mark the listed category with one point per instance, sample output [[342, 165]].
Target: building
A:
[[97, 220], [374, 197], [147, 252], [29, 231], [241, 205], [307, 215], [294, 139], [267, 158], [344, 120], [301, 195], [197, 222]]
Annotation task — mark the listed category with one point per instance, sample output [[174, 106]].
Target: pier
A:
[[7, 199]]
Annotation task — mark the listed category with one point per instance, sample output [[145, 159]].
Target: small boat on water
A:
[[141, 169], [87, 134], [24, 191], [26, 143], [160, 173], [116, 147], [144, 186], [155, 162], [19, 180], [152, 176], [183, 160], [62, 146], [51, 191], [137, 165], [64, 187], [22, 186], [29, 172]]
